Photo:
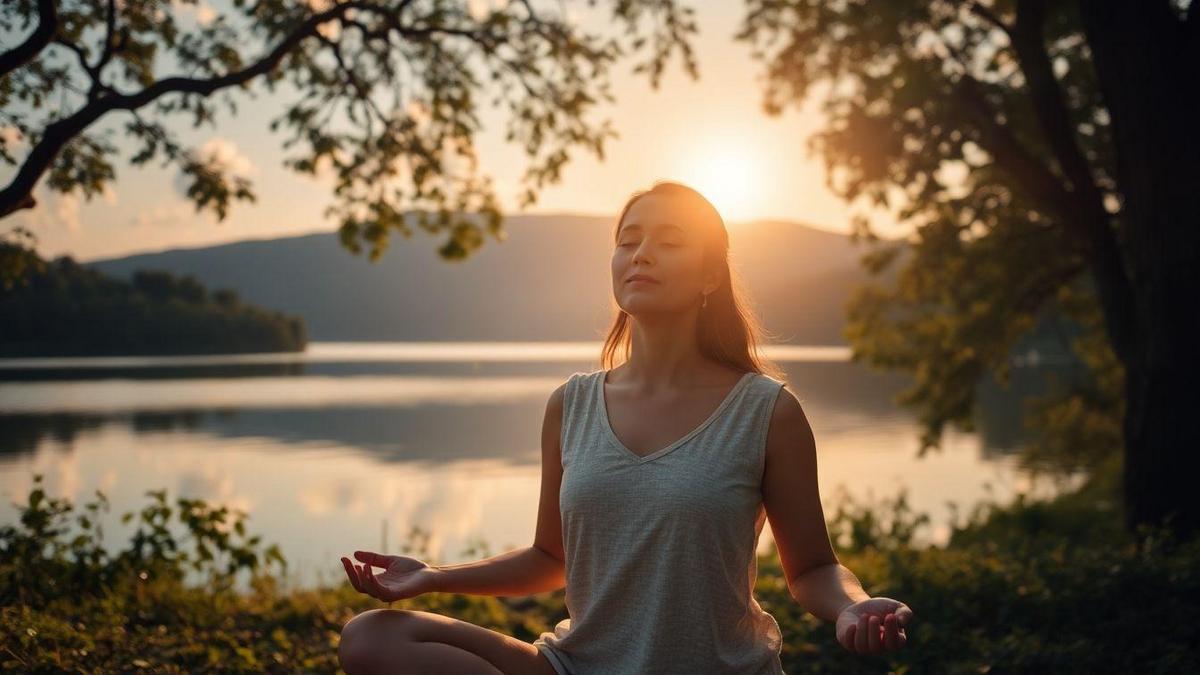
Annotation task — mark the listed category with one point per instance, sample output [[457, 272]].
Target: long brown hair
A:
[[728, 330]]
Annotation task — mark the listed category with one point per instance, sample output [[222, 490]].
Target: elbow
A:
[[554, 570], [800, 585], [798, 579]]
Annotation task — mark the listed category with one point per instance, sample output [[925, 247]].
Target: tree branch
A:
[[352, 79], [1050, 109], [987, 14], [42, 35], [112, 43], [19, 193], [1021, 165], [1038, 287], [1089, 220]]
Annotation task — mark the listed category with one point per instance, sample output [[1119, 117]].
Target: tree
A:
[[434, 57], [1045, 154], [18, 259]]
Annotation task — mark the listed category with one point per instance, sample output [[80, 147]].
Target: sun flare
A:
[[729, 177]]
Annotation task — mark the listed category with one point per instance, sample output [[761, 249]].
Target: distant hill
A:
[[63, 308], [550, 280]]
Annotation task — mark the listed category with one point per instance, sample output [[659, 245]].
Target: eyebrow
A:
[[638, 226]]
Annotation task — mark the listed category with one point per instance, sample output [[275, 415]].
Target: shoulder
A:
[[558, 396], [771, 388], [789, 428]]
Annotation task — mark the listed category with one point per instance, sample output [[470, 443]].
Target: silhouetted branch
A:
[[987, 14], [42, 35], [1089, 219]]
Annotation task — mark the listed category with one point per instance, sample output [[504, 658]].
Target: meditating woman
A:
[[657, 476]]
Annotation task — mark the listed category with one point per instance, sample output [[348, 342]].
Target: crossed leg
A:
[[412, 641]]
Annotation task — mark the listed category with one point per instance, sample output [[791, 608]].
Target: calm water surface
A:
[[353, 445]]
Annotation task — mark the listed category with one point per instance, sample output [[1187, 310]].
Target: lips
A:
[[642, 278]]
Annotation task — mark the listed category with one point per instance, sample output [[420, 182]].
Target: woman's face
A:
[[655, 240]]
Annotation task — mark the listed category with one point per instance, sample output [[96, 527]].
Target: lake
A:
[[353, 445]]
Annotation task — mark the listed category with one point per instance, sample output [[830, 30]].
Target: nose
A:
[[640, 253]]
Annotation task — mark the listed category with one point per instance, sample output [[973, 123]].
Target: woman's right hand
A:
[[402, 577]]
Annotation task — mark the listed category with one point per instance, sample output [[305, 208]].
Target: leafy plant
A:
[[45, 559]]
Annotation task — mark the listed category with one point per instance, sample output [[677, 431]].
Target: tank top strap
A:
[[576, 403], [754, 416]]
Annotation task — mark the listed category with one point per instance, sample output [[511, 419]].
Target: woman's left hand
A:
[[874, 625]]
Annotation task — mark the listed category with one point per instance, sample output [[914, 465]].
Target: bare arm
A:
[[815, 577], [532, 569]]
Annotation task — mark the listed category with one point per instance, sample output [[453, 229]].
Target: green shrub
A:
[[1031, 587]]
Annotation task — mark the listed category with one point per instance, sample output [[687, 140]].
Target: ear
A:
[[712, 282]]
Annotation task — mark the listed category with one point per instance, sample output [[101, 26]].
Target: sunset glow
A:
[[729, 175]]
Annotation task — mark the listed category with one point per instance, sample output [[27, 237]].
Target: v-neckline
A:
[[612, 435]]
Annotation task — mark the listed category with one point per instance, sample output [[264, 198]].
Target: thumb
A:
[[903, 614]]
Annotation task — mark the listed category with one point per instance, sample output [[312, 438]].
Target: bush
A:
[[1027, 587]]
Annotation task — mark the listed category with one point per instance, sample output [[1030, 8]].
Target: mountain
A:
[[549, 280]]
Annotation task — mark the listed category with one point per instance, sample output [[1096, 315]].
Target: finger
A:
[[904, 614], [377, 589], [848, 636], [368, 581], [861, 637], [891, 632], [363, 580], [352, 574], [371, 558], [874, 644]]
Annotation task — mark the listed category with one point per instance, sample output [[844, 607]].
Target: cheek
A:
[[619, 265], [682, 270]]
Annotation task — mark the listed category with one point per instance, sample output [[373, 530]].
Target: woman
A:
[[665, 469]]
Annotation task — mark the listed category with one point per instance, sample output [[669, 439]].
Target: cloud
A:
[[222, 155], [330, 29], [478, 9], [325, 172], [164, 215], [226, 154], [203, 12], [418, 111], [482, 9], [54, 210], [11, 138], [66, 209]]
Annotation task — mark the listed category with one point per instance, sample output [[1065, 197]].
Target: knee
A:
[[359, 648]]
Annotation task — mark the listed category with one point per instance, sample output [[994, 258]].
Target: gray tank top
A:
[[660, 551]]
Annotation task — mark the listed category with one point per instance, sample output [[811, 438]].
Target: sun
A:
[[729, 177]]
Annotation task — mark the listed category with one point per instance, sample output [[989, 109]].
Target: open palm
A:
[[873, 626], [402, 577]]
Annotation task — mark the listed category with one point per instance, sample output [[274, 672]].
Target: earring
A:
[[705, 304]]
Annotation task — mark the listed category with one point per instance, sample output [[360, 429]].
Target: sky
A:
[[710, 133]]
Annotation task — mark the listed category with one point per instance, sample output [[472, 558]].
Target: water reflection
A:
[[333, 456]]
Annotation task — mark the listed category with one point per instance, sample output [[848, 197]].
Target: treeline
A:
[[63, 308]]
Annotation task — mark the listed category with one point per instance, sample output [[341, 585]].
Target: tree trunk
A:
[[1147, 60], [1162, 421]]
